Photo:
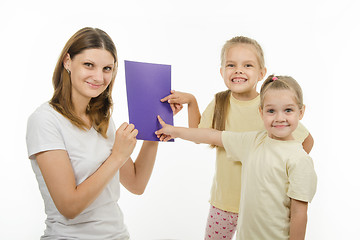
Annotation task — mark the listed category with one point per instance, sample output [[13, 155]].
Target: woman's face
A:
[[91, 73]]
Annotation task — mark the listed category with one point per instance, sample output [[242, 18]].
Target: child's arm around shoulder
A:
[[197, 135], [177, 99], [298, 219], [308, 143], [303, 134]]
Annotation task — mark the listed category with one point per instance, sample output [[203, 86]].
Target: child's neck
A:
[[245, 96], [287, 138]]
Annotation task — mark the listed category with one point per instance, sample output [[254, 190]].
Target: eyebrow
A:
[[89, 60], [288, 105], [250, 61], [247, 61]]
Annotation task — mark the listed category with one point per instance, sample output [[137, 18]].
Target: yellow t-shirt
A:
[[273, 172], [243, 116]]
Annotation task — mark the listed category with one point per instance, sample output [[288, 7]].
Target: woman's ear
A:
[[67, 62]]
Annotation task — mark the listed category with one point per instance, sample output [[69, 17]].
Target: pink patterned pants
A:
[[220, 224]]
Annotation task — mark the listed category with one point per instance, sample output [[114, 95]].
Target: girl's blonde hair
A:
[[100, 107], [281, 83], [222, 99], [243, 40]]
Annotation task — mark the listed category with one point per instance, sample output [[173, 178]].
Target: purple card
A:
[[146, 84]]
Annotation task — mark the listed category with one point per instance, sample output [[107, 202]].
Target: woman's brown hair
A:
[[222, 99], [100, 107]]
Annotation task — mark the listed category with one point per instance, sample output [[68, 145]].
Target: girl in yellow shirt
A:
[[236, 109]]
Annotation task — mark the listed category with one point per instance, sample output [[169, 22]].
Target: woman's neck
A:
[[80, 107]]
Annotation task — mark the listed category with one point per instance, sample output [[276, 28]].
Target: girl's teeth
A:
[[238, 80]]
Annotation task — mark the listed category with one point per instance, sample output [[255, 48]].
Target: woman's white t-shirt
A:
[[49, 130]]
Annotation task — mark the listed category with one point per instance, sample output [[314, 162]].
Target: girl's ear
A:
[[261, 112], [263, 73], [302, 111], [67, 62], [222, 72]]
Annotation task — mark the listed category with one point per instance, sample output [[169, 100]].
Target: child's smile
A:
[[239, 79], [280, 114], [241, 71], [280, 125]]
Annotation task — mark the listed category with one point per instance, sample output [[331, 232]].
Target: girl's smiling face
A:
[[241, 71], [91, 73], [281, 113]]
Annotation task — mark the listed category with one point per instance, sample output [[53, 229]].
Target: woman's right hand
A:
[[71, 199], [125, 141]]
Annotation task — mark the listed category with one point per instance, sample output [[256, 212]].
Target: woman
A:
[[78, 156]]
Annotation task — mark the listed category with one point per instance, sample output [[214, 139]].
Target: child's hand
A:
[[177, 99], [165, 133]]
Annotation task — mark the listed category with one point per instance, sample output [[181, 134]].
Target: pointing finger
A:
[[161, 121]]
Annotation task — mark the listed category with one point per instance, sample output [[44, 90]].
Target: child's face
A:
[[281, 114], [241, 71], [91, 72]]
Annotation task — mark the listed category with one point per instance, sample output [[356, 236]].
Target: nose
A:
[[280, 117], [98, 75], [239, 70]]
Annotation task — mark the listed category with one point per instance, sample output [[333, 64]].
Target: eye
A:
[[88, 64], [107, 69], [248, 65], [270, 110], [288, 110], [230, 65]]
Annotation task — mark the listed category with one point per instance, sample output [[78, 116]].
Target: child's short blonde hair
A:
[[282, 82]]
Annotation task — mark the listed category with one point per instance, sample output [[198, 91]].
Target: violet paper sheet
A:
[[146, 84]]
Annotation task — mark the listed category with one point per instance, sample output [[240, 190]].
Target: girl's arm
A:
[[71, 199], [177, 99], [135, 175], [197, 135], [298, 219], [308, 143]]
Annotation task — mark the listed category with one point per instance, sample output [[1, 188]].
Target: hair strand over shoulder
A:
[[100, 107]]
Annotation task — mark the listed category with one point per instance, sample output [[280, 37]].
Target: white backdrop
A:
[[316, 42]]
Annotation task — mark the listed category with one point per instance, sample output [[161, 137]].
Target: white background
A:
[[316, 42]]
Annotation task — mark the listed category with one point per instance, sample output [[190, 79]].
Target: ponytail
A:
[[221, 109]]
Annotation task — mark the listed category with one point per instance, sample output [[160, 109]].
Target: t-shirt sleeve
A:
[[207, 116], [43, 134], [238, 144], [300, 133], [302, 179]]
